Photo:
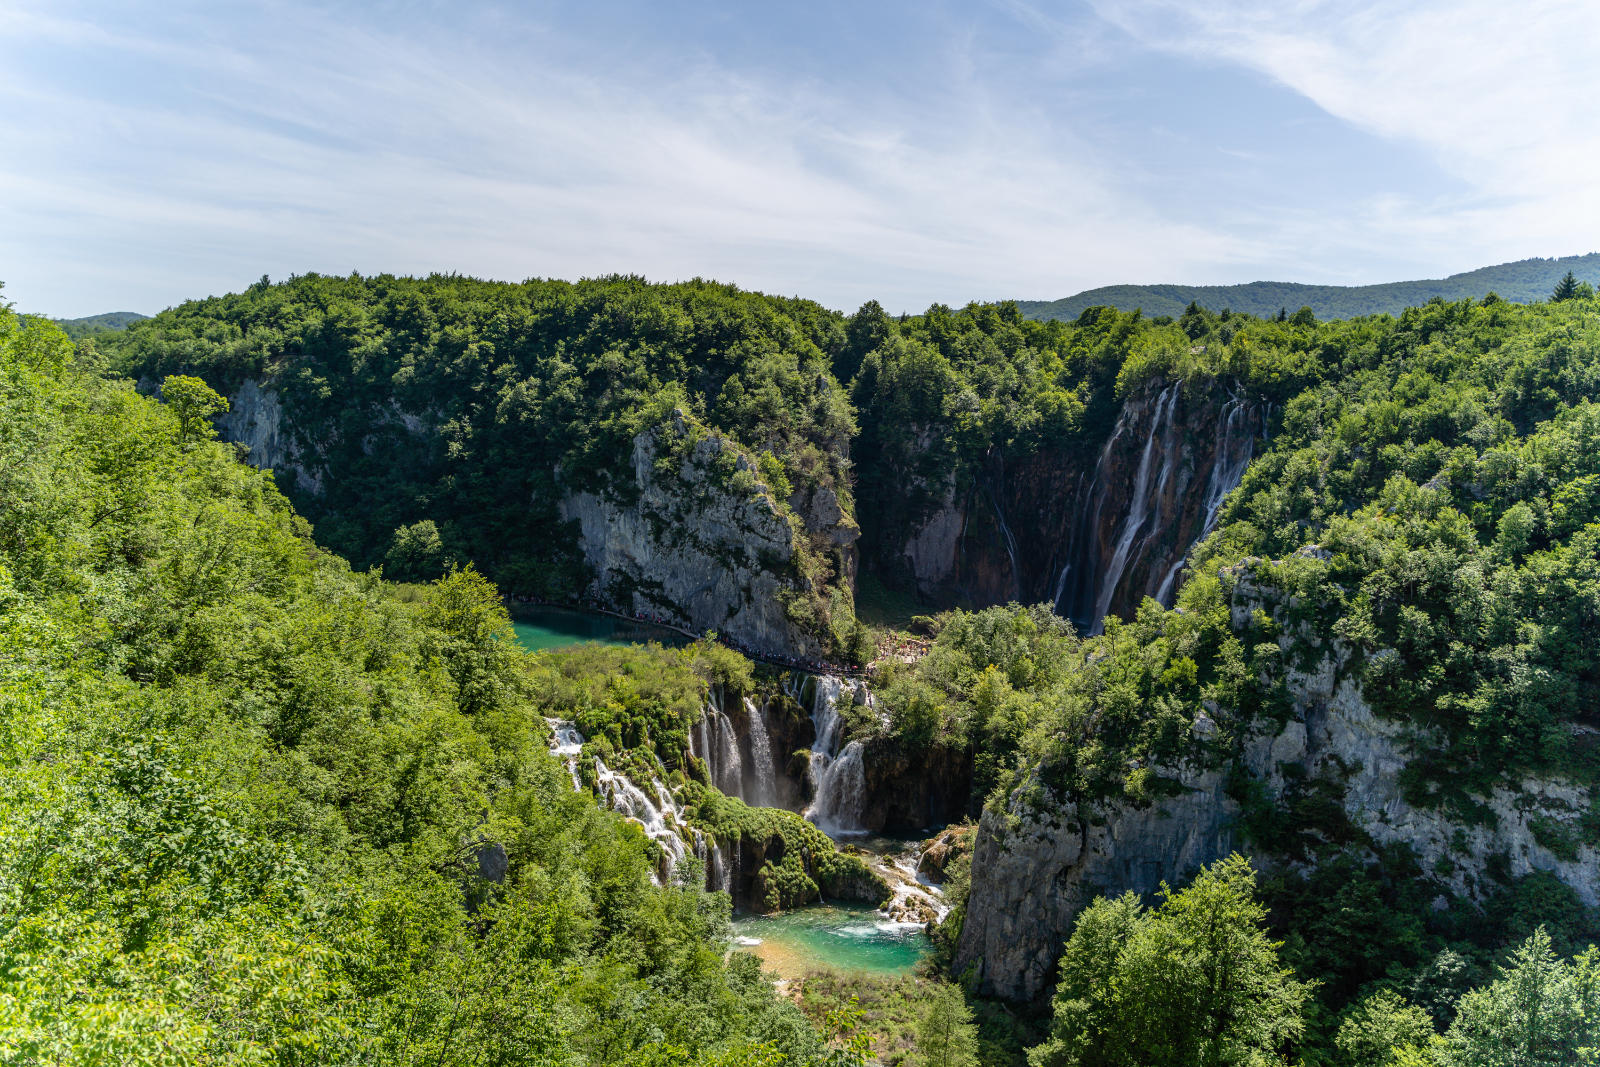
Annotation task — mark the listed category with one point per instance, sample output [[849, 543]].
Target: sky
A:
[[911, 153]]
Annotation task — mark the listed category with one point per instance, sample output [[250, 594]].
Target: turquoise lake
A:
[[852, 939], [542, 629]]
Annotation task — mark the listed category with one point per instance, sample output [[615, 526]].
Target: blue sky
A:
[[907, 152]]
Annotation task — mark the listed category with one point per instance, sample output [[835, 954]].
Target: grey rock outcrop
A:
[[255, 420], [677, 535], [930, 552], [1035, 868]]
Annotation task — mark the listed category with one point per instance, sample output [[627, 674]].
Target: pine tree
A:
[[1566, 288], [946, 1034]]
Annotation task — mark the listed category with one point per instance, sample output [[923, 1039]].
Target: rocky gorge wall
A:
[[677, 537], [686, 529], [1036, 867], [1092, 532]]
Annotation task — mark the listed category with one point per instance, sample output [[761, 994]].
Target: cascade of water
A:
[[1083, 594], [1164, 590], [1138, 505], [841, 793], [763, 763], [730, 765], [700, 744], [913, 898], [660, 818], [623, 796], [1232, 457], [838, 779]]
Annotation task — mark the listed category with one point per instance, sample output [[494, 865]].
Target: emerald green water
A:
[[541, 629], [853, 939]]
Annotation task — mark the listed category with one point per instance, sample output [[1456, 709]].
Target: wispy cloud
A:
[[318, 144], [941, 153], [1500, 95]]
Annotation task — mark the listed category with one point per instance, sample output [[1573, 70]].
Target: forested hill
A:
[[1521, 282], [247, 795], [89, 325]]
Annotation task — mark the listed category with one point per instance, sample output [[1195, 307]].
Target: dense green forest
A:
[[530, 392], [1428, 506], [310, 765], [256, 807], [1524, 281]]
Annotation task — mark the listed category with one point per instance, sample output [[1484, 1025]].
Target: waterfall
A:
[[715, 741], [838, 779], [566, 744], [841, 793], [763, 762], [1227, 469], [1138, 506], [719, 879], [624, 797], [1232, 454], [659, 818], [1011, 544], [730, 767], [1083, 593]]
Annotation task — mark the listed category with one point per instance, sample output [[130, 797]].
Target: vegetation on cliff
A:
[[1424, 521], [258, 808]]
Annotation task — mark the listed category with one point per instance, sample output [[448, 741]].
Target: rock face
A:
[[692, 534], [1033, 870], [908, 793], [942, 850], [685, 530], [1091, 532], [255, 419], [749, 748]]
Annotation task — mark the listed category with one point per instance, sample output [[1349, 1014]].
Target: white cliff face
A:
[[1034, 870], [695, 546], [255, 419]]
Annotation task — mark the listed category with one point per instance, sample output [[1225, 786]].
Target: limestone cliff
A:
[[1036, 866], [685, 529], [688, 531], [1093, 526], [255, 420]]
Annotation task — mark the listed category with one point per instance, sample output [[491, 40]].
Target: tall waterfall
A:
[[1157, 489], [763, 761], [1139, 511], [838, 779], [729, 765], [1011, 544]]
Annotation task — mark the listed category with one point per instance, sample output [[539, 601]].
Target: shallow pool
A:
[[853, 939]]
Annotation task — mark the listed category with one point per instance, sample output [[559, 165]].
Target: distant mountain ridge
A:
[[93, 324], [1522, 282]]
